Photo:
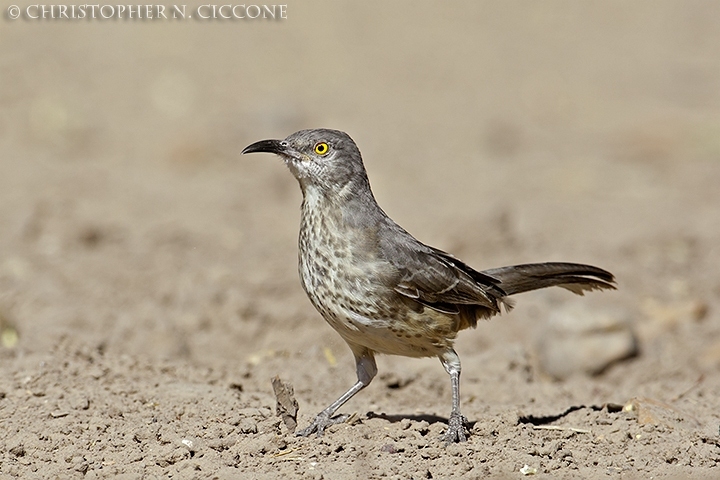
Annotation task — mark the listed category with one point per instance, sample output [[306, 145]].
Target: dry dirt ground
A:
[[148, 284]]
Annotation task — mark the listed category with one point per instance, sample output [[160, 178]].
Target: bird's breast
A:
[[338, 268]]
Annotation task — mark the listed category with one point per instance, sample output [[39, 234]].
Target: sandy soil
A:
[[148, 284]]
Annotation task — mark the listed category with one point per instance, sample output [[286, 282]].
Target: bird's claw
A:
[[321, 422], [457, 429]]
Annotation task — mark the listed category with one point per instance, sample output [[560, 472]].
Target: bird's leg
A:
[[366, 370], [457, 431]]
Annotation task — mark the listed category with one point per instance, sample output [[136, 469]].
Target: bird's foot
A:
[[457, 429], [321, 422]]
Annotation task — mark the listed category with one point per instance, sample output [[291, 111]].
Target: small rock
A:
[[18, 450], [422, 427], [281, 443], [79, 402], [248, 425], [389, 448], [192, 444], [287, 406], [580, 340]]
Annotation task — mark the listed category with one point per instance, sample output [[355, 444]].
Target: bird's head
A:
[[321, 158]]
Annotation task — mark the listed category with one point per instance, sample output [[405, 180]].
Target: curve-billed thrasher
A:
[[381, 289]]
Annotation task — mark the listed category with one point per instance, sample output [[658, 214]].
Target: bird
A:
[[381, 289]]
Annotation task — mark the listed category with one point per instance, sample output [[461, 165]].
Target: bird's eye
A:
[[322, 148]]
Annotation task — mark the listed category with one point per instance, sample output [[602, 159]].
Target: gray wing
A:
[[440, 281], [436, 279]]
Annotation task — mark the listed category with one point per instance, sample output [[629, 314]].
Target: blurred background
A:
[[503, 132]]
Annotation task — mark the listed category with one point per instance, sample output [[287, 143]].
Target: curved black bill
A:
[[265, 146]]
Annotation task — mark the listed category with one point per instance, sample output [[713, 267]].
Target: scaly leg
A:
[[366, 370], [457, 431]]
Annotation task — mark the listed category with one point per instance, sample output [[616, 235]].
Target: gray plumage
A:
[[381, 289]]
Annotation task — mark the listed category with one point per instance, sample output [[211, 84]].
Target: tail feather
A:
[[572, 276]]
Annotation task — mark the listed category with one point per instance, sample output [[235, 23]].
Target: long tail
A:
[[572, 276]]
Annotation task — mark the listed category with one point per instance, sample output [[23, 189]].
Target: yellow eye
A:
[[322, 148]]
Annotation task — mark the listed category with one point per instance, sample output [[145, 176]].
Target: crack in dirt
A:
[[546, 419]]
